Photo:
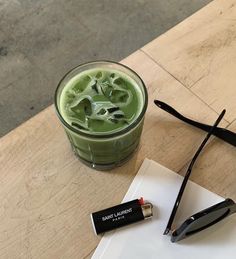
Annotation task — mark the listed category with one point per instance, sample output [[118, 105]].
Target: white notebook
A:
[[145, 239]]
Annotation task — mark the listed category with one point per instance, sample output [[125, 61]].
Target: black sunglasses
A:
[[215, 213]]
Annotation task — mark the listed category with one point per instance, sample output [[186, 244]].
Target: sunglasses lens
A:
[[207, 220]]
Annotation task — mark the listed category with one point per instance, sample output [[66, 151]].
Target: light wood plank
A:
[[46, 194], [201, 53]]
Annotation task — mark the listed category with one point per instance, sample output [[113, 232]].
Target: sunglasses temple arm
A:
[[188, 173], [233, 209], [224, 134]]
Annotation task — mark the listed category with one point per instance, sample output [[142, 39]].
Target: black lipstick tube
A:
[[121, 215]]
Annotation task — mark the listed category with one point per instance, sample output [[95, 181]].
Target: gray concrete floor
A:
[[41, 40]]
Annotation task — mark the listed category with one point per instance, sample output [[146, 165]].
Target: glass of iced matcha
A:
[[102, 105]]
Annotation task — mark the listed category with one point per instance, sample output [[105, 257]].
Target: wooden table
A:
[[47, 195]]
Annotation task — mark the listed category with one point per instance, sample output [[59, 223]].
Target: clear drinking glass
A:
[[104, 150]]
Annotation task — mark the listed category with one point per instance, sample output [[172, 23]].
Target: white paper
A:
[[145, 239]]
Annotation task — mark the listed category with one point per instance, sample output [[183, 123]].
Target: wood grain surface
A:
[[201, 53], [46, 194]]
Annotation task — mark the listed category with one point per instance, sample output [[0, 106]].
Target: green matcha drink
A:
[[102, 105]]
